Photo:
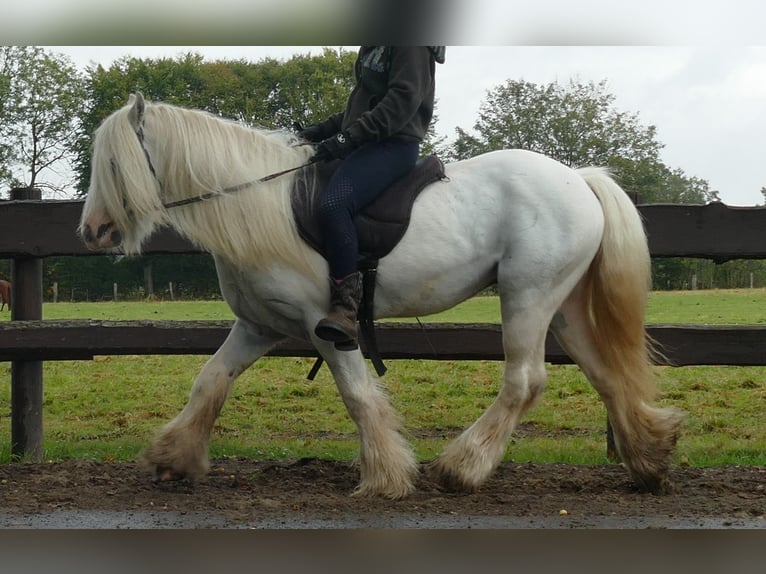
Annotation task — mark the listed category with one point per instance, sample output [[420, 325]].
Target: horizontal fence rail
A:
[[713, 231], [31, 229], [82, 339]]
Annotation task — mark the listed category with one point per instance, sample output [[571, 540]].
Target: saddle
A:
[[380, 226]]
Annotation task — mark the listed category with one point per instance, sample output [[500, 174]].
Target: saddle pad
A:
[[380, 225]]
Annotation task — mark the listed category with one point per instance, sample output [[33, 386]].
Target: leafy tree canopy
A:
[[578, 124], [41, 103]]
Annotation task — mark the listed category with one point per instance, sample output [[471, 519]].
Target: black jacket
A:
[[393, 96]]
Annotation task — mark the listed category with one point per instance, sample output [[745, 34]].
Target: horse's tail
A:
[[617, 286]]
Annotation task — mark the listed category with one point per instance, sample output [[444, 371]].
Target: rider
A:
[[378, 139]]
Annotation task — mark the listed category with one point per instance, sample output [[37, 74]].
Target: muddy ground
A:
[[310, 493]]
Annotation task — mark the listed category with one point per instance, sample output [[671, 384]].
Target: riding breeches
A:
[[359, 179]]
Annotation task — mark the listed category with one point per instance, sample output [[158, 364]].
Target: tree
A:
[[43, 97], [579, 125], [657, 183], [5, 93], [308, 89]]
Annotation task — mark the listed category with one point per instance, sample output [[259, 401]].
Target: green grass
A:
[[108, 408], [714, 307], [143, 310], [733, 306]]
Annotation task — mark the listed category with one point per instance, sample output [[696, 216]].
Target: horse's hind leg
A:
[[469, 460], [645, 436]]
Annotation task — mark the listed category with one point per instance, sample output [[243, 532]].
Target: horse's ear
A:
[[137, 108]]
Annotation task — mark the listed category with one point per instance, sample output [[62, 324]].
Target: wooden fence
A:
[[31, 230]]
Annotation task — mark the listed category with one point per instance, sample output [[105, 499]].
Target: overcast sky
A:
[[707, 102]]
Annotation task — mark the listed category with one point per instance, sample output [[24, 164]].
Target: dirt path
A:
[[311, 493]]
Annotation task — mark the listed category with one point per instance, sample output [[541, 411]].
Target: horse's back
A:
[[507, 190], [520, 170]]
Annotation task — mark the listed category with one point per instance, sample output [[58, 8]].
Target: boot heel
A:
[[329, 330]]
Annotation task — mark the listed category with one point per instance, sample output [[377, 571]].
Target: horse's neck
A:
[[252, 226], [272, 149]]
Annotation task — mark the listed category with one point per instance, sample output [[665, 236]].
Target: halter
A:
[[212, 194]]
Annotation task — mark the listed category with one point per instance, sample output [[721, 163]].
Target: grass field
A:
[[733, 306], [108, 408]]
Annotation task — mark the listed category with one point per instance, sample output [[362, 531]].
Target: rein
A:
[[234, 188], [213, 194]]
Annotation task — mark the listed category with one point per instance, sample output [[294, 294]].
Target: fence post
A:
[[27, 376]]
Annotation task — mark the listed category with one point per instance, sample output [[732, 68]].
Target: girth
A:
[[380, 226]]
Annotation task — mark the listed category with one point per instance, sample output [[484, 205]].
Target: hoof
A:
[[167, 474], [449, 481], [658, 486], [391, 494]]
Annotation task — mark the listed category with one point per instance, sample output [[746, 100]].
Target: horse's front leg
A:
[[180, 450], [387, 463]]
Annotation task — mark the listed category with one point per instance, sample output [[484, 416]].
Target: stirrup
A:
[[327, 331], [349, 345]]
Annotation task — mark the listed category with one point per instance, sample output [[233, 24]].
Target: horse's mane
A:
[[195, 153]]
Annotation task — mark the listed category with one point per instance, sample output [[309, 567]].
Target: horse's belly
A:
[[448, 254]]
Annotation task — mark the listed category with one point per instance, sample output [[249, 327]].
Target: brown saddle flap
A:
[[380, 225]]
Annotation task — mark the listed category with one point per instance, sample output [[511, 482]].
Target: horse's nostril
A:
[[86, 233], [116, 238], [102, 229]]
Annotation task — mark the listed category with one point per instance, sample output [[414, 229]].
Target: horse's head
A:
[[149, 158], [123, 206]]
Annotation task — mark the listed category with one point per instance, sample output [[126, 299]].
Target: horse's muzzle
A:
[[106, 236]]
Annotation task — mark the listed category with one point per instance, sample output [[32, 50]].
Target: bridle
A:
[[212, 194]]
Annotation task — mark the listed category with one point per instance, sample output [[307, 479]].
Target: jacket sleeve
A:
[[409, 82]]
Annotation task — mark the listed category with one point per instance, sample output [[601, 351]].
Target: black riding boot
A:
[[340, 325]]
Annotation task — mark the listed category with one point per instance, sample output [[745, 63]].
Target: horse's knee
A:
[[523, 388]]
